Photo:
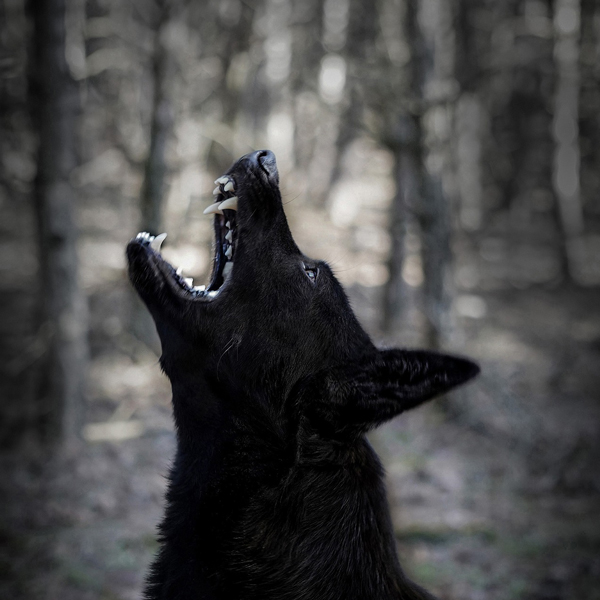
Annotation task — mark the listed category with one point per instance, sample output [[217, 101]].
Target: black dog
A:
[[274, 492]]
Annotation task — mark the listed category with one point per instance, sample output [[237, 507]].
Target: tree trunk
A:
[[434, 61], [361, 54], [589, 100], [403, 135], [155, 171], [307, 52], [407, 175], [468, 122], [566, 129], [54, 100]]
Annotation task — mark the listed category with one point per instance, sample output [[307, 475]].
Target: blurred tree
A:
[[228, 32], [529, 113], [401, 132], [54, 100], [566, 130], [416, 134], [469, 118], [589, 101], [154, 186], [360, 50], [307, 53], [155, 168], [435, 39]]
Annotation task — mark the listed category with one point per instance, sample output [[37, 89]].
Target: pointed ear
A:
[[355, 397], [414, 376]]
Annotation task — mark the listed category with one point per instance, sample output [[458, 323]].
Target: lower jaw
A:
[[225, 211], [186, 284]]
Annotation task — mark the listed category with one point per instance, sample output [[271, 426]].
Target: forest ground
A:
[[495, 491]]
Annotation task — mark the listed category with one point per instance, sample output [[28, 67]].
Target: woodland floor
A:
[[495, 491]]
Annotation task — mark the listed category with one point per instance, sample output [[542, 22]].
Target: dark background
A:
[[442, 155]]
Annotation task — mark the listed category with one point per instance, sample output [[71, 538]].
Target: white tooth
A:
[[229, 236], [228, 186], [222, 179], [227, 269], [189, 281], [179, 270], [216, 191], [156, 243], [230, 203], [213, 208], [213, 293], [200, 288], [229, 252], [228, 225]]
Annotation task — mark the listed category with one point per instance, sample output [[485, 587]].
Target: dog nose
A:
[[265, 160]]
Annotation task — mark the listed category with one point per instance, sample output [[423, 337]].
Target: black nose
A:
[[265, 160]]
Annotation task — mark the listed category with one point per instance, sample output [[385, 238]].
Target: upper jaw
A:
[[225, 210]]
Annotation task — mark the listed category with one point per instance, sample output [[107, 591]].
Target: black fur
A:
[[274, 492]]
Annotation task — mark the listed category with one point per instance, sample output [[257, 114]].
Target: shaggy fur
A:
[[274, 492]]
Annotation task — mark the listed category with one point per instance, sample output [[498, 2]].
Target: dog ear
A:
[[355, 397]]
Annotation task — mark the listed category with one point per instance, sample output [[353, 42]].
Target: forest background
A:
[[442, 155]]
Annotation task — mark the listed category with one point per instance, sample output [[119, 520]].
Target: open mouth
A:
[[225, 210]]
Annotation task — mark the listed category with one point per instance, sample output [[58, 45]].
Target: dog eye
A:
[[311, 272]]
